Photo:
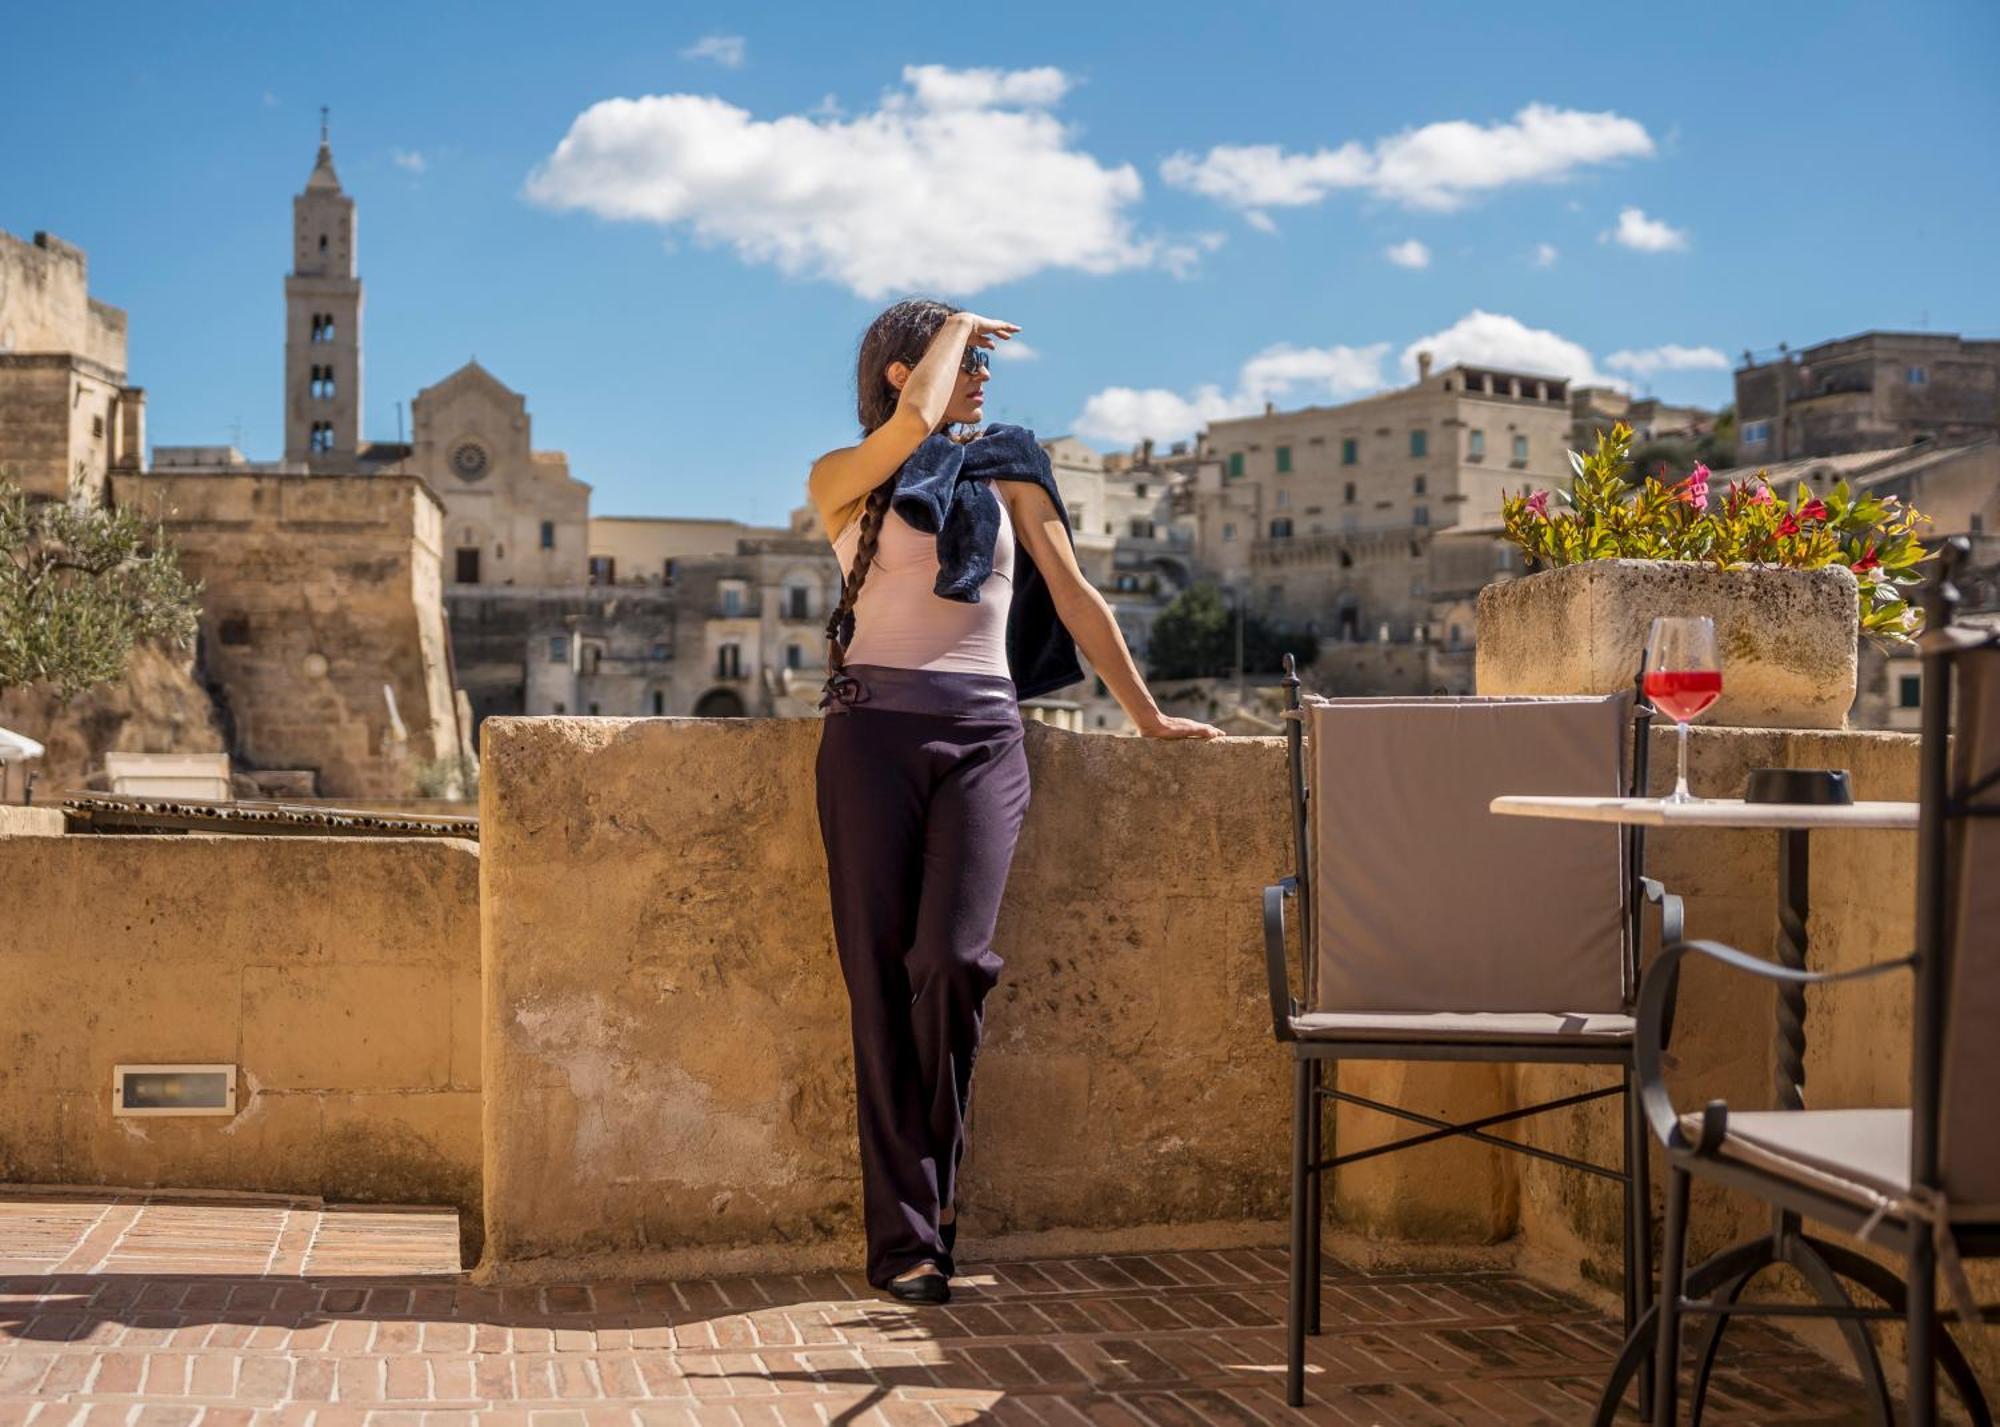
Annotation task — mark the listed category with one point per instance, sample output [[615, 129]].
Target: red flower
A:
[[1814, 509], [1869, 561], [1788, 526]]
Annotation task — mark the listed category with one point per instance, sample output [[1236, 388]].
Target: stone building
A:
[[1149, 515], [513, 515], [1599, 408], [751, 628], [650, 549], [563, 649], [1330, 518], [1865, 393], [67, 417], [322, 618]]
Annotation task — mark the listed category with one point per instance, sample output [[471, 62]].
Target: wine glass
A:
[[1683, 677]]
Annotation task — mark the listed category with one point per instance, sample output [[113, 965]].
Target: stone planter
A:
[[1787, 637]]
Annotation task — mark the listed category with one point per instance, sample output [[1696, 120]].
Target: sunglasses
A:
[[976, 360]]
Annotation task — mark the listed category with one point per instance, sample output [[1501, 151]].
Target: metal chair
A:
[[1923, 1181], [1428, 932]]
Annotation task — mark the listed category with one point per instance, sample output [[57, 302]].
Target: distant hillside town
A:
[[368, 603]]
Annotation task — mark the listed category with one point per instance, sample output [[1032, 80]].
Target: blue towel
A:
[[940, 491]]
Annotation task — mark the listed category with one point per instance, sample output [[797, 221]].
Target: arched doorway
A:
[[720, 703]]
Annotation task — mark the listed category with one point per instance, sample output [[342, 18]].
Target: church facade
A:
[[514, 515]]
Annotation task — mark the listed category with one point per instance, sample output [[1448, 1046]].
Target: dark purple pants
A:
[[923, 782]]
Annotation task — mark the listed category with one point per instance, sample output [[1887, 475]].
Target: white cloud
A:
[[1439, 167], [1282, 373], [1410, 254], [1545, 255], [1014, 350], [1646, 235], [1292, 376], [1484, 339], [939, 87], [960, 180], [729, 51], [1669, 357], [409, 159]]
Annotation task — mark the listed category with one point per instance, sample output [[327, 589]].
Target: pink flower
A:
[[1762, 497], [1539, 504], [1694, 490]]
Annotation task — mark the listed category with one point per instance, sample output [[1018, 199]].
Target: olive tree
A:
[[80, 585]]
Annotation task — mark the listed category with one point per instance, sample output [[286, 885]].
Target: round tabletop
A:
[[1710, 812]]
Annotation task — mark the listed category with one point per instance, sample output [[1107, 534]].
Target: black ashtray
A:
[[1816, 787]]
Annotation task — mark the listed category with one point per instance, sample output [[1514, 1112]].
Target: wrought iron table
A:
[[1823, 1265]]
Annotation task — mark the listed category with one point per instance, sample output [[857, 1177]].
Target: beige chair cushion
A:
[[1463, 1029], [1859, 1155], [1969, 1137], [1423, 900]]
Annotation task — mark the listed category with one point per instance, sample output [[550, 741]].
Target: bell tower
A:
[[323, 324]]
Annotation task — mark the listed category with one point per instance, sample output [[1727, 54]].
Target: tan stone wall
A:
[[159, 706], [45, 304], [667, 1047], [334, 582], [340, 974]]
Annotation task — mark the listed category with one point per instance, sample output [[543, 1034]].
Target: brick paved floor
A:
[[155, 1310]]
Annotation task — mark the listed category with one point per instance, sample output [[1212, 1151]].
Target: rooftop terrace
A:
[[130, 1308]]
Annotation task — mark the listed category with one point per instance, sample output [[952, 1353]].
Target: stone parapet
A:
[[341, 975], [670, 1080]]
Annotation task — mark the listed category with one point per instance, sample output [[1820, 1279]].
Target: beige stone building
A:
[[650, 549], [322, 618], [513, 515], [1334, 518], [67, 417], [1865, 393], [1599, 408]]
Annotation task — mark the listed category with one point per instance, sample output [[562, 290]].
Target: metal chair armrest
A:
[[1659, 993], [1283, 1006], [1673, 911]]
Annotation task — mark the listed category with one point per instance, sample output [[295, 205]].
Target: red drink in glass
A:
[[1683, 694]]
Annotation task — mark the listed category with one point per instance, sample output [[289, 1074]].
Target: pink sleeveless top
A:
[[900, 623]]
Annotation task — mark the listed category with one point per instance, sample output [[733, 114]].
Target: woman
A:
[[922, 779]]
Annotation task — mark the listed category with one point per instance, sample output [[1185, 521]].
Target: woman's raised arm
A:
[[842, 479]]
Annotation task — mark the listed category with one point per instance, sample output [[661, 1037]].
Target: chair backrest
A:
[[1422, 899], [1969, 1148]]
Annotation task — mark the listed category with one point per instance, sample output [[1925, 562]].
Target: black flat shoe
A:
[[929, 1288]]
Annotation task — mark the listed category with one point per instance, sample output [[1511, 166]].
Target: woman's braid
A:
[[840, 624]]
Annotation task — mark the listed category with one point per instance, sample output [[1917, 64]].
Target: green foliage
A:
[[452, 775], [79, 586], [1195, 637], [1606, 515]]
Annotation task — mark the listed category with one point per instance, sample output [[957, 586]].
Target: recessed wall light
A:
[[173, 1090]]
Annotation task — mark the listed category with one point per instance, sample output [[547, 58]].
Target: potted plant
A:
[[1790, 581]]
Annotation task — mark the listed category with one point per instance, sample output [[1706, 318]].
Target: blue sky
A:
[[1188, 210]]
